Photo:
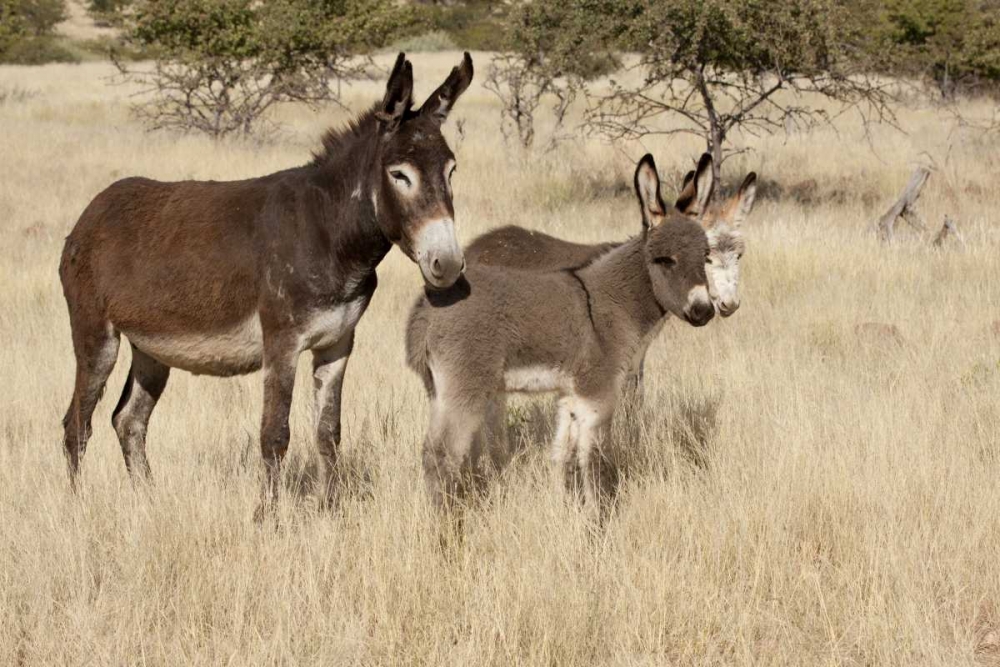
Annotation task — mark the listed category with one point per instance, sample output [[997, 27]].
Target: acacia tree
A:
[[221, 64], [548, 54], [13, 25], [26, 19], [954, 44], [714, 67]]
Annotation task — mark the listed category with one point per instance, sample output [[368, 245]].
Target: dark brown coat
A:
[[224, 278]]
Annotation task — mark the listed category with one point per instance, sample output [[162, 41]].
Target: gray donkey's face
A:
[[676, 252]]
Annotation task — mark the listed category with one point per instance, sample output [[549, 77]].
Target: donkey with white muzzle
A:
[[575, 331]]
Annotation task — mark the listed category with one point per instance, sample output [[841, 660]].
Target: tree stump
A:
[[905, 207], [948, 230]]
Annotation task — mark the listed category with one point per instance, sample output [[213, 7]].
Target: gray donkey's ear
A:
[[647, 188], [697, 190], [744, 199]]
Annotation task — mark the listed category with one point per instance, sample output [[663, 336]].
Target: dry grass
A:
[[804, 490]]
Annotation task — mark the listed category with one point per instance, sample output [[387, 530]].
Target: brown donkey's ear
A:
[[440, 102], [647, 188], [693, 199], [398, 95], [743, 200]]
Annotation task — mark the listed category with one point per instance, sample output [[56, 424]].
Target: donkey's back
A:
[[159, 260], [520, 248]]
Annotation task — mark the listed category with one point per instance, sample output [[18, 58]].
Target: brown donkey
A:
[[574, 331], [224, 278]]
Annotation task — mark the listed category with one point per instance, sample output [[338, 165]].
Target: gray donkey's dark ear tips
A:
[[745, 198], [698, 187], [647, 189]]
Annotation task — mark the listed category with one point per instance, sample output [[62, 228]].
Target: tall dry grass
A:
[[801, 492]]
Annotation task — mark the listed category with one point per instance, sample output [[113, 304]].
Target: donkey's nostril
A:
[[701, 313], [436, 269]]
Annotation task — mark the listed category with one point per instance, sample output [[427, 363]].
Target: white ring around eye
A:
[[404, 177]]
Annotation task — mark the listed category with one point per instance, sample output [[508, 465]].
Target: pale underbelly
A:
[[537, 379], [240, 349], [231, 351]]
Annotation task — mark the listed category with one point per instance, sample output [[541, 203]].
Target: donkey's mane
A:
[[607, 249], [727, 239], [338, 141]]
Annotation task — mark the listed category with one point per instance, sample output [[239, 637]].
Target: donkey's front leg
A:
[[328, 379], [633, 385], [564, 445], [279, 381], [595, 433]]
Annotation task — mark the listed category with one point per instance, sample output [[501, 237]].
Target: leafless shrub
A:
[[521, 84]]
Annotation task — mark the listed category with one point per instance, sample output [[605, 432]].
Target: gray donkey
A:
[[520, 248], [576, 331]]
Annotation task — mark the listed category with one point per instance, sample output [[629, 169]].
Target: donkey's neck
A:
[[621, 291], [347, 172]]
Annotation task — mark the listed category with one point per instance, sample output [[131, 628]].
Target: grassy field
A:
[[802, 491]]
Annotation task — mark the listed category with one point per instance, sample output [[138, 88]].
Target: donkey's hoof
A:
[[327, 502], [265, 513]]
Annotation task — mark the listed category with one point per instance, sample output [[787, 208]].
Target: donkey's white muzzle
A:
[[438, 254], [699, 310]]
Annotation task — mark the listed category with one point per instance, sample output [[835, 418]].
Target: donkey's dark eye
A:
[[739, 256], [452, 172], [401, 177], [665, 261]]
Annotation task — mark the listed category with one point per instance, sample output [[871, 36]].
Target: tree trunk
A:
[[715, 148], [905, 206], [948, 230], [716, 134]]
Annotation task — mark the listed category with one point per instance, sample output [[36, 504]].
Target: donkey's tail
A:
[[416, 343]]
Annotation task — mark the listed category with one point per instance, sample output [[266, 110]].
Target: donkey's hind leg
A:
[[146, 380], [95, 345], [492, 448]]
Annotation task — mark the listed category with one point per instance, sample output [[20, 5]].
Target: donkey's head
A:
[[412, 192], [722, 223], [676, 252]]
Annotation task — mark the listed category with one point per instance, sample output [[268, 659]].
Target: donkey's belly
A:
[[534, 379], [228, 352]]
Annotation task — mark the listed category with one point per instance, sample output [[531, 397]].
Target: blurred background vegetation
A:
[[731, 56]]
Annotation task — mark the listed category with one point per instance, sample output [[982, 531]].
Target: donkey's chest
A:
[[324, 327]]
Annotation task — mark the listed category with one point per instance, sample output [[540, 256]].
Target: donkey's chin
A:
[[441, 275], [726, 310]]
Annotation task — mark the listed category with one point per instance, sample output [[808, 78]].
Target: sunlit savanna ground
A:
[[801, 492]]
